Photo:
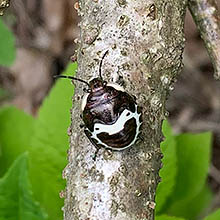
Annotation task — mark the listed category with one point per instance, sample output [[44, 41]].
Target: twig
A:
[[214, 173], [207, 18]]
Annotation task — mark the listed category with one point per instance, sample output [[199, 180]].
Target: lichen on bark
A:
[[145, 41], [4, 4]]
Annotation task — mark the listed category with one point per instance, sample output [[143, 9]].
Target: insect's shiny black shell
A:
[[104, 105]]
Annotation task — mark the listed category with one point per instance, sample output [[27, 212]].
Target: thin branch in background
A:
[[214, 173], [207, 18]]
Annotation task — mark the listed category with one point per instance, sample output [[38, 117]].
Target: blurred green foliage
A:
[[182, 193], [16, 130], [214, 216], [49, 144], [16, 200], [46, 141], [7, 45]]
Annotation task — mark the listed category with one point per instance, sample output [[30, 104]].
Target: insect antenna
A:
[[100, 65], [70, 77]]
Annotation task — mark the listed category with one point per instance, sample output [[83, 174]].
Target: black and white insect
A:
[[112, 118]]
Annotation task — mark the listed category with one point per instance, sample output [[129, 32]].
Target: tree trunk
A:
[[145, 42]]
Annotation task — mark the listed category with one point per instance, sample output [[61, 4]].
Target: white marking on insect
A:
[[117, 127], [84, 101], [116, 86]]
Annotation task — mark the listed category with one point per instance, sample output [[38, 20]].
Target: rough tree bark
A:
[[145, 41]]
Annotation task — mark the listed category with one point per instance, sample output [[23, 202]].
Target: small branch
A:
[[4, 4], [207, 18], [214, 173]]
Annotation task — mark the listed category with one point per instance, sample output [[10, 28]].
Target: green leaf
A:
[[16, 202], [214, 216], [16, 130], [166, 217], [7, 46], [50, 144], [169, 169], [193, 207], [193, 152]]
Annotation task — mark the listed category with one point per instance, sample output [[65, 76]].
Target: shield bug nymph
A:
[[111, 116]]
